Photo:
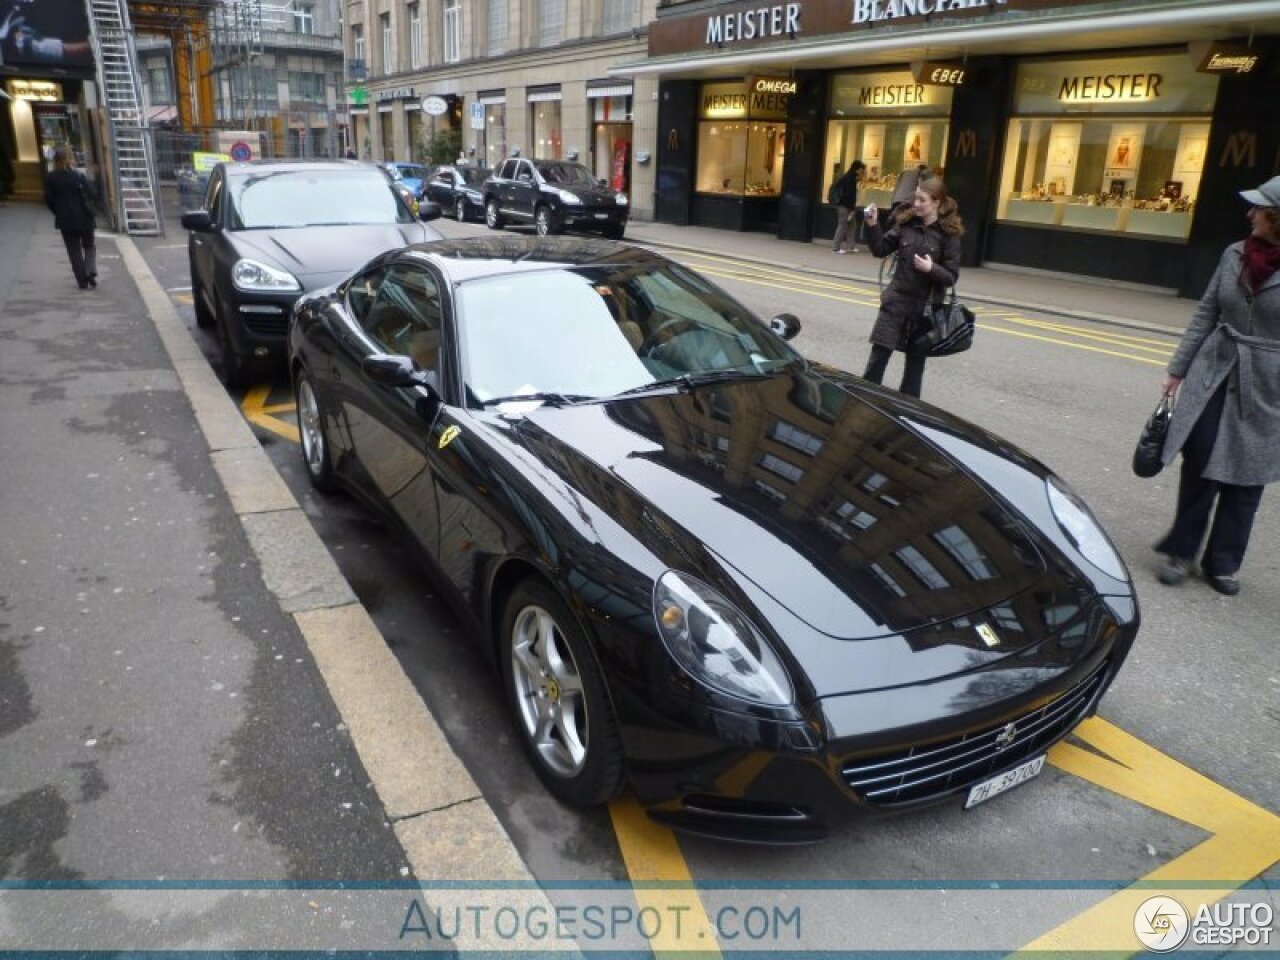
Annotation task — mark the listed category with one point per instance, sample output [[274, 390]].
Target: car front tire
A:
[[315, 442], [544, 221], [557, 694], [204, 316], [614, 231], [492, 218], [460, 209], [235, 371]]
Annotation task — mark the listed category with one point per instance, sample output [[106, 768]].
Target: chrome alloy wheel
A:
[[310, 428], [548, 692]]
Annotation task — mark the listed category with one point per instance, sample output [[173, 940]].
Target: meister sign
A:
[[779, 20], [1111, 86]]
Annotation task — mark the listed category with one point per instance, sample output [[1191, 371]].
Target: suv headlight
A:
[[716, 644], [252, 275], [1080, 527], [567, 197], [622, 200]]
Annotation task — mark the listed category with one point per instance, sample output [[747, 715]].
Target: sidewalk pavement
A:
[[1081, 298], [174, 635]]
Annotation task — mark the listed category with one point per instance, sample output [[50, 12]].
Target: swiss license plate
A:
[[1004, 781], [602, 216]]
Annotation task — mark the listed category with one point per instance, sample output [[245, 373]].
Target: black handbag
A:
[[944, 328], [1148, 455]]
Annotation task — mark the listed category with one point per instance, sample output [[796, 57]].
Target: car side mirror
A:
[[429, 210], [396, 370], [601, 182], [785, 325], [197, 221]]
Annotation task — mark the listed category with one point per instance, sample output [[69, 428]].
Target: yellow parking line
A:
[[791, 287], [1245, 840], [255, 410], [1118, 339], [652, 856]]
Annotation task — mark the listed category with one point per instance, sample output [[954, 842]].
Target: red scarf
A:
[[1261, 260]]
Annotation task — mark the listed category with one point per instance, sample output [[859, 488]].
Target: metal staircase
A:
[[137, 194]]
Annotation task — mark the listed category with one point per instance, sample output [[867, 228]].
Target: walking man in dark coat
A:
[[66, 193], [846, 191]]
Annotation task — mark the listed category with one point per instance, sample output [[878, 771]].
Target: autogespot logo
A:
[[1161, 924]]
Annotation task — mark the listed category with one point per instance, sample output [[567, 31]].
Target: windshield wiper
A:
[[551, 399], [688, 380]]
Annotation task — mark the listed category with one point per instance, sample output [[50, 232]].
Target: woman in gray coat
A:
[[926, 237], [1227, 422]]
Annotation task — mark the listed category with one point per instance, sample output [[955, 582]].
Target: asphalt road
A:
[[1202, 686]]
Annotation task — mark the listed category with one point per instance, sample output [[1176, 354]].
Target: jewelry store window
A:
[[741, 139], [1115, 145], [890, 123]]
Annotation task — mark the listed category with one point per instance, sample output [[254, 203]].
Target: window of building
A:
[[357, 43], [491, 147], [388, 65], [304, 18], [788, 471], [890, 123], [965, 552], [158, 86], [452, 31], [550, 22], [612, 134], [796, 438], [1116, 146], [740, 151], [618, 16], [544, 124], [415, 35], [921, 568], [306, 86], [496, 22]]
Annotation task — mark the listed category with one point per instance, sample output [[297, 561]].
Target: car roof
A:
[[296, 166], [476, 257]]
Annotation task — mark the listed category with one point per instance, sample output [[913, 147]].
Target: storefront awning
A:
[[609, 90], [544, 94]]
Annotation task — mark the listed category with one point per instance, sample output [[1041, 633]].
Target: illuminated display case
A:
[[1106, 144], [741, 140]]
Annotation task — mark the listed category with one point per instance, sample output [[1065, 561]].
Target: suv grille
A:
[[935, 769]]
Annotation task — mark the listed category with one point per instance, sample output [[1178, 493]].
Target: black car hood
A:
[[319, 256], [828, 503], [588, 194]]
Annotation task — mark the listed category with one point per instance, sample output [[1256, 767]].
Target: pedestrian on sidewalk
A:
[[846, 197], [904, 191], [66, 193], [1227, 423], [926, 238]]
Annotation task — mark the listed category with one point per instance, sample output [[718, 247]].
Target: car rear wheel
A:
[[557, 694], [315, 442], [492, 218], [544, 221]]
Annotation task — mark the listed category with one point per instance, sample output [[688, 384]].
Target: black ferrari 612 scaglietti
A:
[[763, 593]]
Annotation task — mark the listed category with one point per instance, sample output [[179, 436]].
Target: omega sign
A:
[[874, 11], [779, 20]]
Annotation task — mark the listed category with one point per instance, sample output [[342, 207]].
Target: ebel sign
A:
[[876, 11]]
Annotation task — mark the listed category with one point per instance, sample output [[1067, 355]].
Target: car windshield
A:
[[306, 198], [595, 332], [567, 173], [409, 170]]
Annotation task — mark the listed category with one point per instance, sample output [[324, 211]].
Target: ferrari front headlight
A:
[[716, 644], [1084, 532]]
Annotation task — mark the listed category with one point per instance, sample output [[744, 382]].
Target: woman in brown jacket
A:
[[926, 237]]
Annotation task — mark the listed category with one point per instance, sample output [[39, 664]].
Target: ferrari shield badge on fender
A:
[[448, 436], [989, 636]]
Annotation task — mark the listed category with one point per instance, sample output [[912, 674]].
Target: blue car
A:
[[413, 175]]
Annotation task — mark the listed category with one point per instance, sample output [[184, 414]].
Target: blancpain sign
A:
[[875, 11]]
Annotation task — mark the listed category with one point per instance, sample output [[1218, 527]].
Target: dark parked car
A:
[[459, 191], [766, 594], [553, 195], [269, 231]]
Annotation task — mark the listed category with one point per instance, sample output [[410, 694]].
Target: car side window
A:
[[362, 291], [405, 318], [507, 171]]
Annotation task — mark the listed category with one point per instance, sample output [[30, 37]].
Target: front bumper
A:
[[864, 754], [258, 324], [597, 218]]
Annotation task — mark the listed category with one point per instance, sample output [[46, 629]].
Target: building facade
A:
[[1093, 137], [497, 78]]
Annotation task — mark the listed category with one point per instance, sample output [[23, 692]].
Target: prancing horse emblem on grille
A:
[[989, 636], [1006, 736]]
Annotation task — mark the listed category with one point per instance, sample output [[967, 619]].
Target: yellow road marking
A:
[[1068, 343], [186, 298], [1118, 339], [1245, 840], [792, 287], [652, 855], [256, 410]]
